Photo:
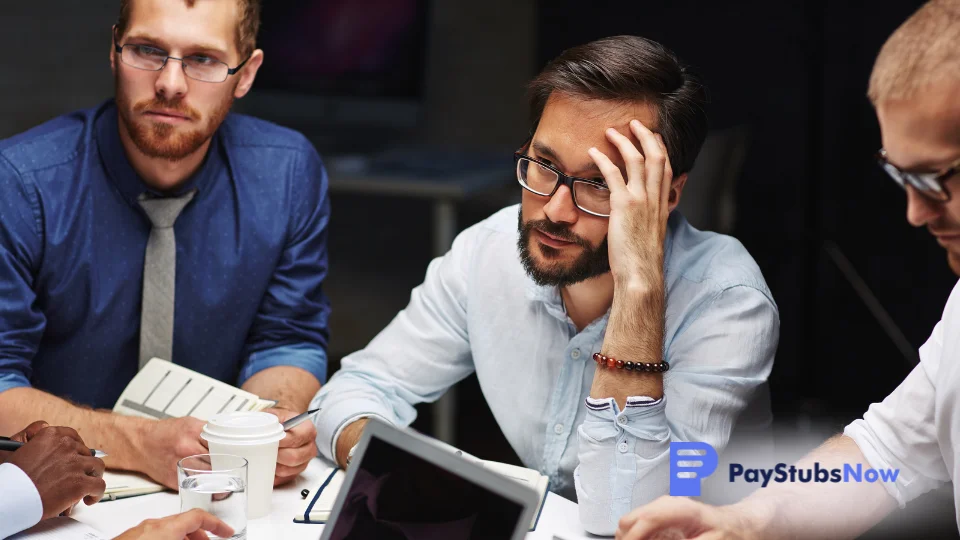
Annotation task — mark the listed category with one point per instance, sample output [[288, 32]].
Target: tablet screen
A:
[[397, 495]]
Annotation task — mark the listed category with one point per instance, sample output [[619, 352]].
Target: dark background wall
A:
[[793, 72]]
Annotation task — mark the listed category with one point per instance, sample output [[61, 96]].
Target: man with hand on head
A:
[[572, 339], [915, 430], [158, 224], [46, 477]]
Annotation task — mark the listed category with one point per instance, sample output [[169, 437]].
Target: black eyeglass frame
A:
[[561, 179], [230, 71], [923, 182]]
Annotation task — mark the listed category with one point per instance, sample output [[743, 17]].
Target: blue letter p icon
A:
[[690, 462]]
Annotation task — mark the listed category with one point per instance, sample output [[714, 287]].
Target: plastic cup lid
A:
[[243, 428]]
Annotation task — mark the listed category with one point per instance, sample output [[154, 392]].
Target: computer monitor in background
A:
[[345, 73]]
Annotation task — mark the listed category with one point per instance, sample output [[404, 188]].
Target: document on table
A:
[[164, 390], [61, 528]]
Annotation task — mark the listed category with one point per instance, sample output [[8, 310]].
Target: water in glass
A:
[[222, 495]]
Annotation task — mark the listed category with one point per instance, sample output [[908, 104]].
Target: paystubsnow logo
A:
[[691, 462]]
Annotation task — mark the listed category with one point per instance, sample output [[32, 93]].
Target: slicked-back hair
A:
[[631, 69]]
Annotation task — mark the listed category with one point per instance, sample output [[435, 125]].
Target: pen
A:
[[8, 445], [298, 419]]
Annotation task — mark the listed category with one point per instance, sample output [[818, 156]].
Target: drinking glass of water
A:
[[216, 483]]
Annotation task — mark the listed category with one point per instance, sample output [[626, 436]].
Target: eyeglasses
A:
[[196, 66], [589, 194], [929, 185]]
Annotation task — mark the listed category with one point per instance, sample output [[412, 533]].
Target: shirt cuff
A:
[[616, 451], [347, 422], [307, 356], [21, 506], [643, 417], [335, 415], [13, 379]]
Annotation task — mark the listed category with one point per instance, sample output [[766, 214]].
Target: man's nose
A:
[[921, 210], [560, 207], [172, 82]]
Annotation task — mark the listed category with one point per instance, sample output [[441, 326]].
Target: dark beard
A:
[[592, 262], [158, 140]]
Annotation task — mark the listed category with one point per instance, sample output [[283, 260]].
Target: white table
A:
[[559, 518]]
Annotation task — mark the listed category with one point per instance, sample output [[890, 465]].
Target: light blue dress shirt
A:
[[478, 310]]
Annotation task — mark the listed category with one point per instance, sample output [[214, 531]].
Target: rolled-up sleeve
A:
[[307, 356], [415, 359], [900, 432], [718, 361], [21, 250], [290, 328]]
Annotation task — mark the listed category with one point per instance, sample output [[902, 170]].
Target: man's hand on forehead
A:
[[639, 203]]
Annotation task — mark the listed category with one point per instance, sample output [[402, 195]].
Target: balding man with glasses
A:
[[160, 225], [601, 325]]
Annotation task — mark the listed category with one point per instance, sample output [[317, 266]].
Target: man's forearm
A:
[[634, 333], [793, 511], [116, 435], [291, 386]]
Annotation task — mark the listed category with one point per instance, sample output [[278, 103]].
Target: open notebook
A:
[[317, 507], [165, 390]]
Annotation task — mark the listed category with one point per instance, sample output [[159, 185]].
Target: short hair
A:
[[632, 69], [247, 30], [923, 51]]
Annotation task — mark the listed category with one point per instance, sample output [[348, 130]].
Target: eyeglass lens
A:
[[197, 67], [542, 181]]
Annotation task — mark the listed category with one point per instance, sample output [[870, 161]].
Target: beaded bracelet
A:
[[610, 362]]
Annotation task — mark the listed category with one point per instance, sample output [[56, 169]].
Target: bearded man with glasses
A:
[[158, 224], [619, 327]]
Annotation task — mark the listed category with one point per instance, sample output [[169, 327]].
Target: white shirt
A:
[[20, 504], [915, 428], [478, 310]]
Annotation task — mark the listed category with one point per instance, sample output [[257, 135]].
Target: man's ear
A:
[[676, 190], [113, 49], [248, 74]]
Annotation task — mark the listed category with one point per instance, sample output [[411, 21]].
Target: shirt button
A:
[[558, 429], [575, 354], [622, 447], [622, 420]]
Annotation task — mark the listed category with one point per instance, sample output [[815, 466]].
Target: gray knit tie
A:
[[159, 276]]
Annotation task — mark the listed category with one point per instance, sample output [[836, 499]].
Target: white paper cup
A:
[[254, 436]]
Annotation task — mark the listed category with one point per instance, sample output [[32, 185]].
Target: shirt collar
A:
[[121, 172]]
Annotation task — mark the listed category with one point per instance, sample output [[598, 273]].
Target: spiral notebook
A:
[[165, 390]]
